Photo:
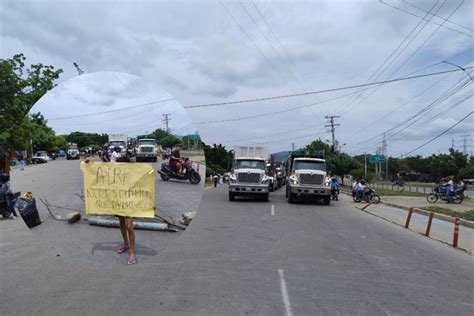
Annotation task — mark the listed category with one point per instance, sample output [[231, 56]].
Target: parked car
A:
[[62, 153], [40, 157]]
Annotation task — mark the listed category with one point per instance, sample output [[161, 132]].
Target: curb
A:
[[443, 217], [466, 250]]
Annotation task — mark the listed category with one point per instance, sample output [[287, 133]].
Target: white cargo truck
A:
[[248, 177], [307, 177], [147, 150], [120, 141]]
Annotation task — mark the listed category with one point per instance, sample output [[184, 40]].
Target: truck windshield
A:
[[117, 144], [146, 142], [310, 165], [252, 164]]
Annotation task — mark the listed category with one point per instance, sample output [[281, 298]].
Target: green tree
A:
[[42, 136], [86, 139], [60, 141], [218, 159], [160, 134], [467, 172], [20, 89], [170, 141], [341, 164]]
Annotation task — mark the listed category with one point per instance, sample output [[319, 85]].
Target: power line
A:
[[322, 91], [407, 37], [404, 48], [441, 134], [438, 16], [413, 14], [333, 129], [111, 111]]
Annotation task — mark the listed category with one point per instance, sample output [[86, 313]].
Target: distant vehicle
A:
[[40, 157], [248, 176], [120, 141], [72, 151], [272, 177], [62, 153], [146, 150], [307, 177]]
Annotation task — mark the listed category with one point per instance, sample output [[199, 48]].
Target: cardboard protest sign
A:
[[125, 189]]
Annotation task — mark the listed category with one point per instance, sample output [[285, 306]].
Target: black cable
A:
[[413, 14], [441, 134], [323, 91], [111, 111]]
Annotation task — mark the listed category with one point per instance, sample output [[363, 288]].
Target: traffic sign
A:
[[376, 159]]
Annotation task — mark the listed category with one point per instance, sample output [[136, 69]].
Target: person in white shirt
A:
[[116, 154], [360, 189], [354, 188]]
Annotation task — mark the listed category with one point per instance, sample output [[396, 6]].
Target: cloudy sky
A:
[[203, 52]]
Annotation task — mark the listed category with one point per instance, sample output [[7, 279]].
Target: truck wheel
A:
[[286, 192], [265, 197], [291, 197], [327, 200], [231, 196], [270, 188]]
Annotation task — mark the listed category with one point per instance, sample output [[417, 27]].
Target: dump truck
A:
[[72, 151], [120, 141], [248, 177], [307, 176]]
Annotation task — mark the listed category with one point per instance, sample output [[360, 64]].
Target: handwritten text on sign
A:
[[125, 189]]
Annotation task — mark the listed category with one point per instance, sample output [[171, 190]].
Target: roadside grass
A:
[[385, 192], [468, 215]]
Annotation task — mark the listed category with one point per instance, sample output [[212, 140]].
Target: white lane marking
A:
[[284, 293], [273, 210]]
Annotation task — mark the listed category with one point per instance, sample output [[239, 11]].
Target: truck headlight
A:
[[293, 179], [327, 184], [265, 180], [232, 179]]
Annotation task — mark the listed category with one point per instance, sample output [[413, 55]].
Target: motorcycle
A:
[[440, 193], [192, 175], [368, 196], [4, 210], [335, 194]]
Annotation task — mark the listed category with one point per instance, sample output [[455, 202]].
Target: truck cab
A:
[[146, 150], [249, 178], [307, 177]]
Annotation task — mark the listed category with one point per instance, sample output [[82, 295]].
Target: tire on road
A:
[[265, 197], [327, 200], [164, 177], [375, 199], [195, 178], [432, 198], [291, 197], [231, 196]]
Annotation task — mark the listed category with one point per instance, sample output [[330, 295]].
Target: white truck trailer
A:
[[248, 177], [120, 141]]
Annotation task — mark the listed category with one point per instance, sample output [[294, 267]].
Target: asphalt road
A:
[[258, 258], [60, 181]]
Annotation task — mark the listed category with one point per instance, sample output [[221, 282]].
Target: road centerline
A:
[[273, 209], [284, 293]]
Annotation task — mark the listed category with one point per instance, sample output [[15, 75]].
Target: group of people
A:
[[449, 186], [358, 188]]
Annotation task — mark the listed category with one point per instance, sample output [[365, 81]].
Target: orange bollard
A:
[[428, 227], [410, 210], [456, 232]]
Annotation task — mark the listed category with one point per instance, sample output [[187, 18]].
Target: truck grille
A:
[[249, 177], [146, 149], [311, 178]]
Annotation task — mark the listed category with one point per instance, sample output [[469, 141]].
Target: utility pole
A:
[[365, 165], [79, 70], [332, 130], [452, 143], [464, 143], [384, 148], [166, 120], [293, 146]]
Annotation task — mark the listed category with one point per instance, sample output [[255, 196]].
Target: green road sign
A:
[[376, 159], [194, 138]]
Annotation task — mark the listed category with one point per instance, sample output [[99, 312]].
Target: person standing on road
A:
[[21, 160], [7, 194], [126, 229], [115, 154], [105, 154], [215, 179]]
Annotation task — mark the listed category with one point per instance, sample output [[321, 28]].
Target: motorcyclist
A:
[[360, 189], [450, 190], [176, 163], [334, 185]]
